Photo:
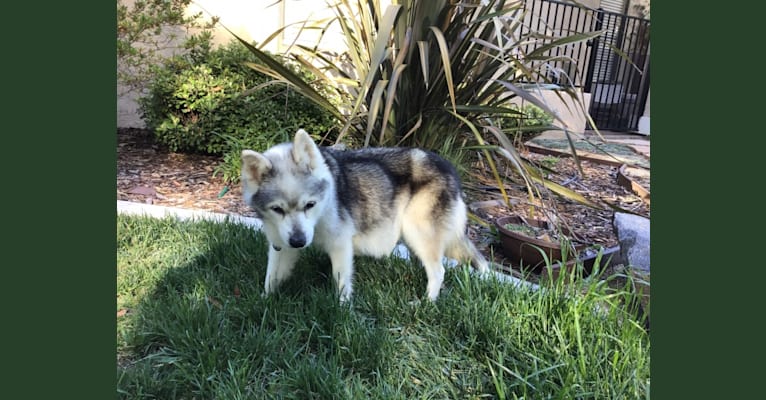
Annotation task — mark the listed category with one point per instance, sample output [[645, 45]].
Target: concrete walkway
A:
[[626, 148], [638, 142], [150, 210]]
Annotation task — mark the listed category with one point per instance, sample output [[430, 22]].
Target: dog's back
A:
[[371, 183]]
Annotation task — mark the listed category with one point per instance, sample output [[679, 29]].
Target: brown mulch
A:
[[598, 184], [148, 173]]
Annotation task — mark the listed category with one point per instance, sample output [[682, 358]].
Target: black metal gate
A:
[[618, 71], [613, 68]]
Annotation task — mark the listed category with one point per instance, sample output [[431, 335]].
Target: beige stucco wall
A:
[[127, 111], [257, 20]]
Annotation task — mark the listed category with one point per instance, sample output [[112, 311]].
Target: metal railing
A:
[[613, 67]]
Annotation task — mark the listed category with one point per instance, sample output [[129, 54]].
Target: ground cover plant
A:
[[192, 324]]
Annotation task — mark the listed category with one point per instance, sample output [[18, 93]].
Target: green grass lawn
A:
[[192, 324]]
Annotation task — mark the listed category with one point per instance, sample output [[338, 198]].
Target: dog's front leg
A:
[[280, 266], [342, 258]]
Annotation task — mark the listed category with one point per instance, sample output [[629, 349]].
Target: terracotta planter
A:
[[525, 250]]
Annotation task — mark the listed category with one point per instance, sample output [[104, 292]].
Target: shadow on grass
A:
[[199, 327]]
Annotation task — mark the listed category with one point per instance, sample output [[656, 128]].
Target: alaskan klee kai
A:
[[356, 202]]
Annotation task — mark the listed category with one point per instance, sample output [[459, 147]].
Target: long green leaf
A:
[[414, 129], [343, 76], [376, 58], [446, 64], [538, 53], [509, 152], [489, 110], [299, 85], [390, 97], [558, 189], [490, 160], [574, 152], [311, 67], [626, 58], [279, 71], [566, 192], [391, 92], [372, 113], [264, 85], [275, 34], [423, 50], [382, 40]]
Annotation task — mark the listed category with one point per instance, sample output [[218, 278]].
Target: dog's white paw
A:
[[345, 297]]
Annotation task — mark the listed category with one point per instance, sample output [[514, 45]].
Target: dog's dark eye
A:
[[309, 205], [278, 210]]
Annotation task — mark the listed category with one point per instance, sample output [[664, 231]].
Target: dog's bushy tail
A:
[[463, 250]]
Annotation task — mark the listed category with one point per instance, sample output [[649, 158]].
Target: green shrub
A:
[[533, 120], [537, 119], [528, 121], [231, 166], [201, 103]]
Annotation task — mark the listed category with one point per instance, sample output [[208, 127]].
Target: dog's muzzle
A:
[[297, 240]]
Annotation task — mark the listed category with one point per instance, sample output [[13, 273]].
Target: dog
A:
[[350, 202]]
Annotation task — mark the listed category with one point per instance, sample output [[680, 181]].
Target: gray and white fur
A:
[[356, 202]]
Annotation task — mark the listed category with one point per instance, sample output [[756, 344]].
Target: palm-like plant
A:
[[419, 72]]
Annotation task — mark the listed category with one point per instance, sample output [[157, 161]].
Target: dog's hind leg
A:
[[426, 243], [280, 266]]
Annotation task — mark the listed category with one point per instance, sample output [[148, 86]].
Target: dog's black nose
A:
[[297, 240]]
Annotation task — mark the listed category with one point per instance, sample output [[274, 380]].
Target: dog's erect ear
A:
[[254, 166], [305, 151]]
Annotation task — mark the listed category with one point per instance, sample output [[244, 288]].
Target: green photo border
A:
[[59, 197]]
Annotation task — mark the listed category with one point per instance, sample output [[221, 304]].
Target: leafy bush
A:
[[231, 166], [533, 120], [209, 100], [529, 121], [148, 29]]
